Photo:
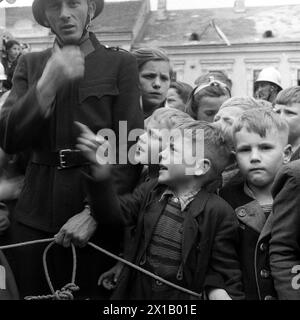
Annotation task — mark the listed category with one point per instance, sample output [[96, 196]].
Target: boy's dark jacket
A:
[[285, 242], [210, 235], [255, 234]]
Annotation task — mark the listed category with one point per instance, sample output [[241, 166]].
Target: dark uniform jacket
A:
[[285, 241], [107, 94], [255, 234], [210, 237]]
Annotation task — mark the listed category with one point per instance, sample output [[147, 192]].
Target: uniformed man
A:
[[77, 80], [268, 84]]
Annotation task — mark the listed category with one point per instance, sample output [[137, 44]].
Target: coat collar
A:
[[184, 199], [252, 215], [88, 46]]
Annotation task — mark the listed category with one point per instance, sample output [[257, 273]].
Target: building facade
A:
[[239, 41]]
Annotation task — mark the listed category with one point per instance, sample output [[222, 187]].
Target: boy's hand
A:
[[109, 279], [218, 294], [94, 147]]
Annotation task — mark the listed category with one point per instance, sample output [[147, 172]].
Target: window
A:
[[256, 73], [298, 77]]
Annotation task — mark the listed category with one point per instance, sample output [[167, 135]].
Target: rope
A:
[[68, 290], [150, 274], [66, 293], [24, 244]]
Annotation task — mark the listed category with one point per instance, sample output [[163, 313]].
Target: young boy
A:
[[229, 112], [260, 139], [183, 233], [287, 104], [149, 145]]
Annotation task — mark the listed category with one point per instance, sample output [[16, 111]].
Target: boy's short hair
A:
[[183, 90], [260, 121], [144, 55], [213, 89], [171, 118], [246, 103], [216, 147], [288, 96]]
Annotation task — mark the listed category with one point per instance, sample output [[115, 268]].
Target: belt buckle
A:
[[62, 160]]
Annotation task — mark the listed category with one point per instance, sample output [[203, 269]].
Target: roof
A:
[[116, 16], [15, 14], [247, 27]]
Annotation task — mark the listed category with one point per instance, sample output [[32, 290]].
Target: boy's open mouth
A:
[[162, 168]]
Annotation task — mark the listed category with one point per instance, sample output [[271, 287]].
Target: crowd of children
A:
[[222, 223]]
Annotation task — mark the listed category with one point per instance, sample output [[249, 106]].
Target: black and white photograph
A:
[[149, 154]]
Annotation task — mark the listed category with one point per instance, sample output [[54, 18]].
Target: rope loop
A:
[[67, 292]]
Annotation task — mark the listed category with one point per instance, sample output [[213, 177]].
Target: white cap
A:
[[2, 73], [270, 74]]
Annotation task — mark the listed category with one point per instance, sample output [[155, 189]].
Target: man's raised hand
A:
[[64, 65]]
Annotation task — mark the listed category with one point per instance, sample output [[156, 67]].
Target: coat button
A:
[[158, 283], [242, 213], [263, 247], [143, 261], [265, 273], [270, 298]]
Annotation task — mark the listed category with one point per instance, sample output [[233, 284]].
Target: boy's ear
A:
[[232, 156], [202, 166], [287, 154]]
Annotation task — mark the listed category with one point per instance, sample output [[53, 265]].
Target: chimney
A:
[[239, 6], [162, 10]]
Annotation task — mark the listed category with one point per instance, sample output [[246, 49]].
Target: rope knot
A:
[[66, 293]]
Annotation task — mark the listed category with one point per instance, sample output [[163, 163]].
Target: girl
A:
[[13, 50], [207, 98], [154, 78]]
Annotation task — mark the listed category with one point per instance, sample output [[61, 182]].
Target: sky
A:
[[186, 4]]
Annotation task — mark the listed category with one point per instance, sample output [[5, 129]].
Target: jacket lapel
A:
[[152, 212], [191, 225], [266, 231]]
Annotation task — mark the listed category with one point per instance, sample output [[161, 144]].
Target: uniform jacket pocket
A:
[[98, 91]]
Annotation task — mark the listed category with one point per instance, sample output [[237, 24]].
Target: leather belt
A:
[[62, 159]]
